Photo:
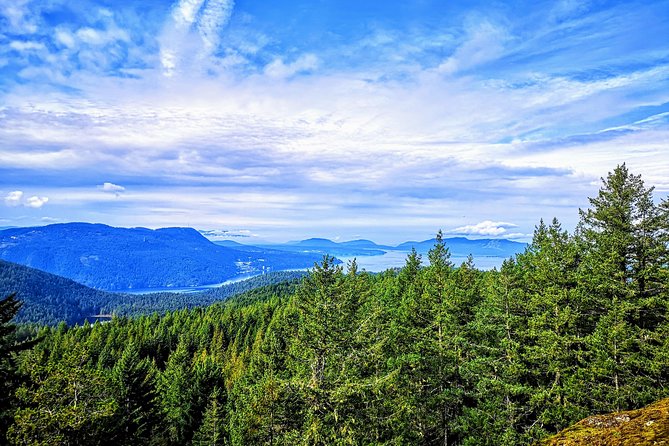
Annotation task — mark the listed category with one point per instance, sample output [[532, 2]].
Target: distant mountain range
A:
[[118, 259], [462, 247], [122, 259], [458, 247]]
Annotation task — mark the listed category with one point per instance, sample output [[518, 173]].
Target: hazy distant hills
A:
[[324, 246], [462, 247], [111, 258], [458, 246]]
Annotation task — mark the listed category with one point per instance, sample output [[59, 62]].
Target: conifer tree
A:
[[67, 403], [176, 398], [212, 429], [135, 392], [622, 272], [496, 377], [317, 345], [9, 348], [555, 310]]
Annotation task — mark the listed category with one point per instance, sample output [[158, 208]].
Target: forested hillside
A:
[[432, 354], [49, 299]]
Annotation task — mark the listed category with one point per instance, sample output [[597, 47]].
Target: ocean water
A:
[[374, 264], [192, 289]]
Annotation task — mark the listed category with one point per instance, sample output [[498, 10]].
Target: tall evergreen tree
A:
[[135, 392], [212, 429], [622, 272], [176, 396], [9, 348], [555, 311], [496, 376], [66, 403]]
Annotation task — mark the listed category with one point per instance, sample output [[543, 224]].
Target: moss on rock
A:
[[642, 427]]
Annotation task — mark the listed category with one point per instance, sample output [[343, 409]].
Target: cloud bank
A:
[[389, 122]]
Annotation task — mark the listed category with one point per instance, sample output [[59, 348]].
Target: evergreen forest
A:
[[430, 354]]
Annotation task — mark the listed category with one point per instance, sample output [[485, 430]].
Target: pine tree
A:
[[176, 396], [135, 391], [9, 348], [554, 341], [212, 430], [67, 403], [496, 377], [622, 272]]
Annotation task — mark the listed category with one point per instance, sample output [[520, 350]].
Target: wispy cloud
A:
[[215, 15], [483, 42], [279, 69], [192, 35]]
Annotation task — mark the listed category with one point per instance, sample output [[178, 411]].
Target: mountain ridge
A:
[[120, 259], [458, 246]]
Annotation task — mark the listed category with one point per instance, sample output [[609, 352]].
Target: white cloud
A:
[[279, 69], [14, 198], [181, 46], [22, 46], [111, 33], [215, 15], [226, 234], [184, 12], [65, 37], [486, 227], [485, 42], [36, 202], [111, 187], [19, 16]]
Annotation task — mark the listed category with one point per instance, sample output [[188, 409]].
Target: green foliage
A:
[[430, 354], [9, 348], [68, 403], [49, 299]]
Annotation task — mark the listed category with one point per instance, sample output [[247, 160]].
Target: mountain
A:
[[458, 246], [462, 247], [116, 259], [362, 243], [643, 427], [314, 242]]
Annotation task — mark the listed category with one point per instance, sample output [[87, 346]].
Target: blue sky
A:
[[341, 119]]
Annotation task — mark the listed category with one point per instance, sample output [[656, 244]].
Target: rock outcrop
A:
[[642, 427]]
